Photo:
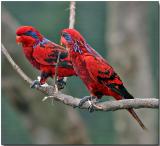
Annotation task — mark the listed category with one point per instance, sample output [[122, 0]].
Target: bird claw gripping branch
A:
[[43, 54], [60, 84], [92, 104], [83, 100], [95, 72], [91, 107], [36, 83]]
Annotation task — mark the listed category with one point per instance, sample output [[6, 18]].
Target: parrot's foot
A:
[[92, 103], [83, 100], [36, 83], [89, 99], [91, 107], [60, 84]]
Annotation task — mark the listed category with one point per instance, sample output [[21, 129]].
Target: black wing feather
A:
[[121, 90]]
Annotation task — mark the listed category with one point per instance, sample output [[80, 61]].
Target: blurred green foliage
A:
[[50, 18], [154, 39], [13, 130]]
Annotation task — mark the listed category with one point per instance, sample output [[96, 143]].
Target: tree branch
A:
[[15, 66], [71, 20], [72, 14], [71, 101], [109, 105]]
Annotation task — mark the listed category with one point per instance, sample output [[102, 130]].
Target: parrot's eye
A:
[[32, 34], [67, 36]]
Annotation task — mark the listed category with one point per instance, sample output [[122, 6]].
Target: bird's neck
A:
[[28, 51], [80, 48], [42, 42], [35, 43]]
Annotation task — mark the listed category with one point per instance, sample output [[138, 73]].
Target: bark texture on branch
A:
[[72, 14], [106, 106], [69, 100], [71, 19]]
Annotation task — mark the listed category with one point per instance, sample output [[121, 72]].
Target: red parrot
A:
[[43, 54], [98, 76]]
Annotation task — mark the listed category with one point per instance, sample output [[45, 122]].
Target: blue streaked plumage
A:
[[77, 48], [31, 33], [42, 42]]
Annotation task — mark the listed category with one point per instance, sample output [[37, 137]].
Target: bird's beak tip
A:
[[18, 40], [61, 42]]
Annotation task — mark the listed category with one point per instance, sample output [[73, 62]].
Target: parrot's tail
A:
[[127, 95], [122, 91], [133, 113]]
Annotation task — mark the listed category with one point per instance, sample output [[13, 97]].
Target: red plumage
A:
[[43, 54], [98, 76]]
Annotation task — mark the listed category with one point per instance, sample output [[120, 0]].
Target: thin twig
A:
[[15, 66], [72, 14], [69, 100], [71, 20], [56, 68]]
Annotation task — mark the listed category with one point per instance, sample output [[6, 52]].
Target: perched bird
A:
[[98, 76], [43, 55]]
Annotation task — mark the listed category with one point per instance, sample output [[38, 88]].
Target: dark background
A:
[[125, 33]]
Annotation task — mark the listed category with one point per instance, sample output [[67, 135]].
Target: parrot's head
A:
[[71, 37], [28, 35]]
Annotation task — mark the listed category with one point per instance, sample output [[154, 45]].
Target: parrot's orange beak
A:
[[63, 41], [18, 40]]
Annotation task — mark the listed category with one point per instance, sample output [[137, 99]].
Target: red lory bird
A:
[[43, 54], [98, 76]]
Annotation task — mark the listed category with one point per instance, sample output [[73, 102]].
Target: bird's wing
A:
[[103, 73], [100, 71], [47, 54]]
